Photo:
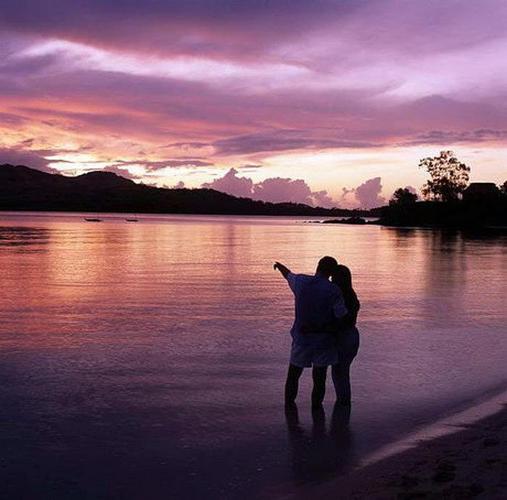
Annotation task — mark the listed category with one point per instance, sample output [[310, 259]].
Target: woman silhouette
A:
[[347, 335]]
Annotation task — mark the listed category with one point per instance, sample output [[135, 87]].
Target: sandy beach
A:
[[469, 463]]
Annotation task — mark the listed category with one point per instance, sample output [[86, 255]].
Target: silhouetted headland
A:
[[26, 189]]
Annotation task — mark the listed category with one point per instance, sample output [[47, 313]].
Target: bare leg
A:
[[292, 383], [341, 381], [319, 385]]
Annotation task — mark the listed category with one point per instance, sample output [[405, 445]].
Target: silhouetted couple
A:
[[324, 332]]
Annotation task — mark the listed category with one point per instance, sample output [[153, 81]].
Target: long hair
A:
[[343, 278]]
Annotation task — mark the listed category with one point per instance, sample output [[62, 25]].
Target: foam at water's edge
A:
[[447, 425]]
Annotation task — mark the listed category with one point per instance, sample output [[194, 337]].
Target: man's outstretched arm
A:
[[285, 271]]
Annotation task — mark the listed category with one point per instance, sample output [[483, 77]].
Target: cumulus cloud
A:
[[368, 193], [275, 189], [278, 189], [232, 184], [322, 199]]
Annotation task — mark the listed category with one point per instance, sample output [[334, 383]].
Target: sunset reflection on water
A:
[[164, 344]]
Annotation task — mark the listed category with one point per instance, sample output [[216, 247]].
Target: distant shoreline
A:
[[25, 189], [309, 219], [150, 215]]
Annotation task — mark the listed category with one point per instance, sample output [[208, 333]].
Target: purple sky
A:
[[325, 102]]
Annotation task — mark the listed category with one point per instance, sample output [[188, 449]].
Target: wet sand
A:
[[469, 463]]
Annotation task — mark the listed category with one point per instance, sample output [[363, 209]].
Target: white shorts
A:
[[307, 356]]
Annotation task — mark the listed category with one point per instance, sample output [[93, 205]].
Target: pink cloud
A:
[[276, 189], [280, 189], [348, 75], [368, 193], [232, 184]]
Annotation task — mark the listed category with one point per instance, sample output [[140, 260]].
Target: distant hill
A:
[[23, 188]]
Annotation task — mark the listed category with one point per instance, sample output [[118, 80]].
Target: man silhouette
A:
[[318, 303]]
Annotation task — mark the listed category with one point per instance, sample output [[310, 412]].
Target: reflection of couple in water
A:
[[324, 332], [323, 451]]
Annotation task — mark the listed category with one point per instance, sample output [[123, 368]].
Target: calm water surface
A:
[[146, 360]]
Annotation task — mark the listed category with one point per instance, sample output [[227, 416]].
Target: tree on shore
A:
[[448, 177], [503, 188], [403, 196]]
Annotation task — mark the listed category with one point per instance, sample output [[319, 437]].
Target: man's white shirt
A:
[[317, 302]]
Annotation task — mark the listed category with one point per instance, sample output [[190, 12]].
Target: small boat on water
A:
[[132, 218], [92, 219]]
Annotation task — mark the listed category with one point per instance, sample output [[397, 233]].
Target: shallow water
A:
[[146, 360]]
